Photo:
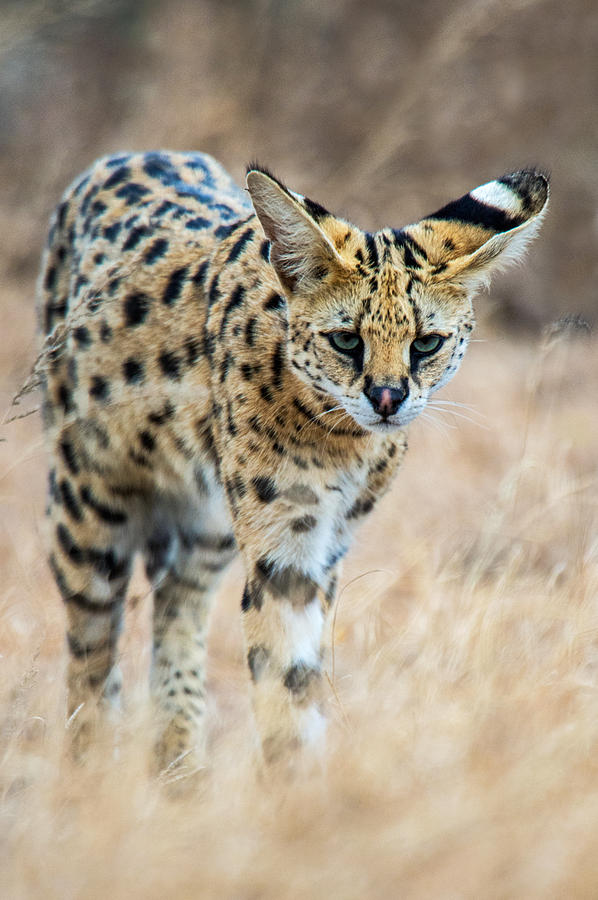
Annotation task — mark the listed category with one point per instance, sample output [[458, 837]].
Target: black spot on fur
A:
[[50, 279], [135, 236], [230, 421], [123, 173], [71, 549], [111, 232], [70, 457], [132, 193], [265, 488], [372, 250], [239, 244], [197, 223], [117, 160], [193, 350], [61, 214], [316, 211], [174, 287], [411, 250], [52, 311], [275, 301], [236, 299], [136, 308], [65, 399], [361, 506], [106, 513], [252, 597], [170, 364], [224, 231], [147, 440], [285, 583], [69, 500], [250, 331], [81, 281], [133, 371], [155, 251], [100, 389], [82, 336], [159, 418], [200, 275], [278, 359], [214, 294], [98, 207], [209, 344], [159, 166], [105, 563], [240, 486], [225, 366], [305, 523], [298, 679]]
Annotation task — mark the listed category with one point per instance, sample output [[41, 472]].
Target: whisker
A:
[[332, 427], [458, 415], [456, 403], [345, 415], [464, 406], [319, 416], [440, 426]]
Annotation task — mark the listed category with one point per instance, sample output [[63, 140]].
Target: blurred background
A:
[[382, 111]]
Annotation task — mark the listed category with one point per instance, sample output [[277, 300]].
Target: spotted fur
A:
[[197, 405]]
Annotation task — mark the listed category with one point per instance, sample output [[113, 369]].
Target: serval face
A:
[[380, 321]]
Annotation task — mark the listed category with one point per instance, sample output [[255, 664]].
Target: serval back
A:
[[234, 372]]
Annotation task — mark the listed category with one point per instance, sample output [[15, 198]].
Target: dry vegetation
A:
[[462, 760]]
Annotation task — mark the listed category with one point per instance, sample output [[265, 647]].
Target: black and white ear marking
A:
[[301, 252], [500, 205], [485, 229]]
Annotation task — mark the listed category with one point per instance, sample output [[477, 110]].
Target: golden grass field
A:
[[462, 760], [462, 756]]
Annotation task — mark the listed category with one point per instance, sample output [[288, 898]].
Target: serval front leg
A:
[[285, 611], [283, 618]]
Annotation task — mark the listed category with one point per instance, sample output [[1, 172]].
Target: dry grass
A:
[[464, 715]]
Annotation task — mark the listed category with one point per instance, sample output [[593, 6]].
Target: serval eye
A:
[[346, 341], [427, 345]]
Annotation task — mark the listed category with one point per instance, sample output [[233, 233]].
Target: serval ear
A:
[[300, 250], [467, 240]]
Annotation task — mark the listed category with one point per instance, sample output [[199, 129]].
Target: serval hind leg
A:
[[91, 557], [196, 553]]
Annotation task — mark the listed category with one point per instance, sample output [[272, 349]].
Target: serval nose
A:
[[386, 399]]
